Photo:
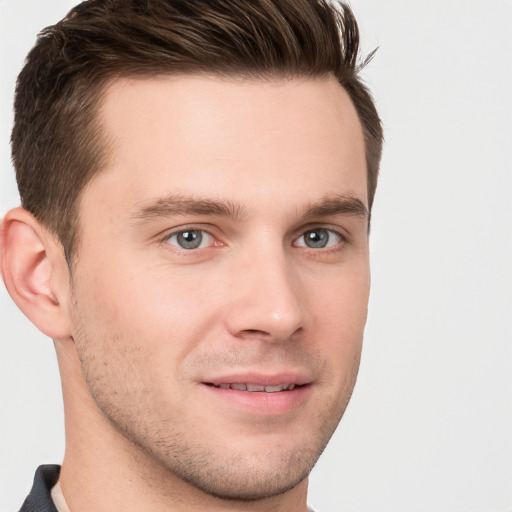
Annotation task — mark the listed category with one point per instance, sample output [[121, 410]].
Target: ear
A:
[[35, 272]]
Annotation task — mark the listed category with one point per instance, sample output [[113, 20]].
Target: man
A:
[[196, 179]]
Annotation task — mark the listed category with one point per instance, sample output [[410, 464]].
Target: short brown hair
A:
[[57, 144]]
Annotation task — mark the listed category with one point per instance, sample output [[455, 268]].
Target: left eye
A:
[[319, 238], [190, 239]]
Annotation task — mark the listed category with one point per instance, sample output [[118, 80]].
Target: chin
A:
[[243, 480], [244, 473]]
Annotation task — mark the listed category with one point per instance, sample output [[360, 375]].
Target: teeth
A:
[[275, 389], [257, 387], [254, 387]]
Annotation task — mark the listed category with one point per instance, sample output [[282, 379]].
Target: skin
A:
[[144, 327]]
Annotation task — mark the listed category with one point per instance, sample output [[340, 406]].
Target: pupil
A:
[[317, 239], [190, 239]]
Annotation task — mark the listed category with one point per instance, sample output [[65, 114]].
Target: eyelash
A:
[[340, 239]]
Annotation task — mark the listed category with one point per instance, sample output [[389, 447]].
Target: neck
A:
[[103, 470]]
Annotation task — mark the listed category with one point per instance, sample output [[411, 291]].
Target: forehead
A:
[[226, 137]]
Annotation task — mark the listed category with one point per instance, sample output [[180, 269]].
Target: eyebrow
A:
[[176, 205], [337, 205]]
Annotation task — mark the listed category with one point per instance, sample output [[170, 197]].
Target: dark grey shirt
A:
[[40, 499]]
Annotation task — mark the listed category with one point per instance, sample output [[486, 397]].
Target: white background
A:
[[429, 427]]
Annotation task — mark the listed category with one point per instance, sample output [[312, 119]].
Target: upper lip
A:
[[260, 379]]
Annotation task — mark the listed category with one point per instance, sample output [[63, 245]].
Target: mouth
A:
[[260, 395], [255, 388]]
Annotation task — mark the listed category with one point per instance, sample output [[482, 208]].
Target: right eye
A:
[[190, 239]]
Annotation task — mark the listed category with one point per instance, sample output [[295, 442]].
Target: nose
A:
[[265, 300]]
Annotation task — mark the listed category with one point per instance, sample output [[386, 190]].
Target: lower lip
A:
[[261, 403]]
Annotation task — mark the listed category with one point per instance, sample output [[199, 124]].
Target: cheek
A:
[[342, 303], [338, 316], [132, 296], [143, 323], [130, 338]]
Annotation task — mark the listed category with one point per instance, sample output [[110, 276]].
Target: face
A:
[[221, 286]]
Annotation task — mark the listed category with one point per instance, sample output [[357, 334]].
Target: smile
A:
[[255, 388], [260, 395]]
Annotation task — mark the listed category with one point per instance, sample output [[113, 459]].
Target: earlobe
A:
[[27, 270]]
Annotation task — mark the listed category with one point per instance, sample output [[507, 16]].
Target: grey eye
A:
[[189, 239], [319, 238], [316, 239]]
